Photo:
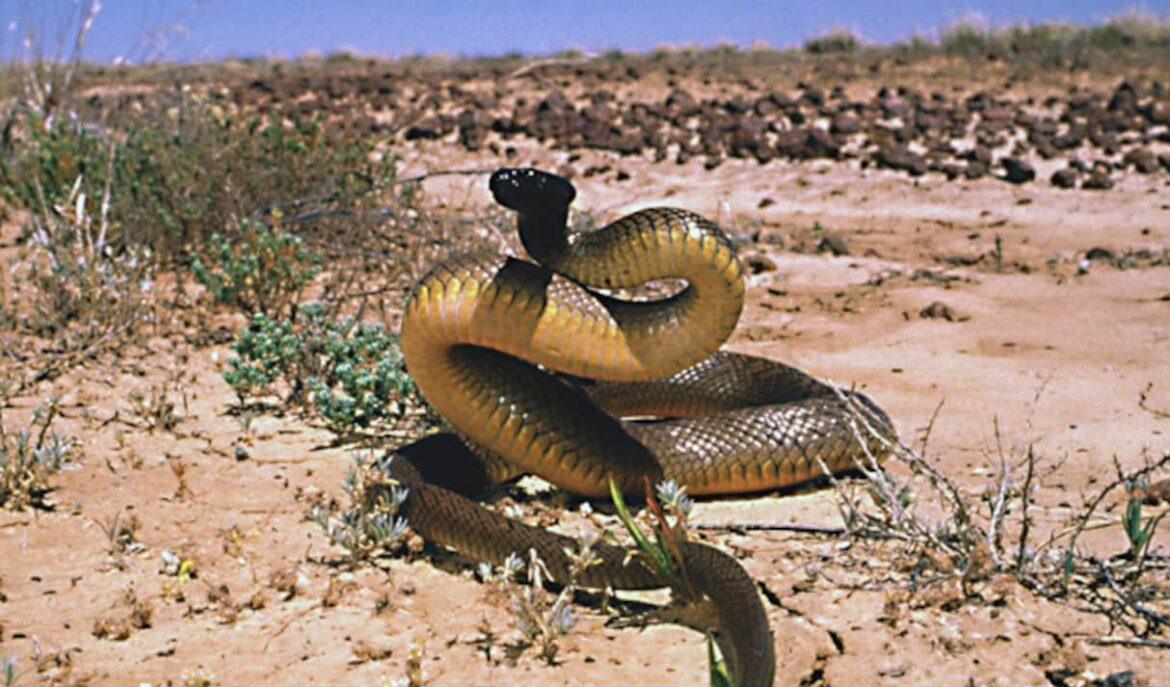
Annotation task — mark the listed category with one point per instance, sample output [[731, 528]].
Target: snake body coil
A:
[[478, 331]]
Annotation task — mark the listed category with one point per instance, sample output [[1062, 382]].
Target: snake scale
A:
[[537, 369]]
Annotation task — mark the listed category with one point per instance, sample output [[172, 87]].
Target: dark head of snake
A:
[[542, 202], [502, 347]]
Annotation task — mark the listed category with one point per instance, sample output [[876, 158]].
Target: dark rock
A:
[[429, 128], [554, 102], [1069, 139], [837, 244], [807, 143], [1099, 253], [976, 169], [1124, 99], [1065, 178], [1098, 180], [894, 107], [938, 311], [1158, 113], [681, 103], [980, 153], [845, 123], [952, 170], [1142, 159], [901, 158], [1017, 171], [758, 264]]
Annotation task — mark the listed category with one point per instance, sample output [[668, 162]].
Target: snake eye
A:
[[527, 189]]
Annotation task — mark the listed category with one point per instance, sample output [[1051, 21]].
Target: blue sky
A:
[[213, 29]]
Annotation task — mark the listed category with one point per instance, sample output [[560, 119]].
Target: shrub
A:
[[349, 373], [832, 42], [28, 458], [261, 270], [182, 171], [369, 525]]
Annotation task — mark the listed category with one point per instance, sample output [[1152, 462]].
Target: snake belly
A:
[[536, 370]]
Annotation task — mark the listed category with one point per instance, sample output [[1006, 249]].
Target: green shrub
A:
[[832, 42], [182, 170], [351, 374], [28, 458], [260, 270], [364, 378], [369, 526]]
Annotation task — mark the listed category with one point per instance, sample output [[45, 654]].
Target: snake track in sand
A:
[[535, 369]]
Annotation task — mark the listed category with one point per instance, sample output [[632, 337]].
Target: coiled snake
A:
[[477, 332]]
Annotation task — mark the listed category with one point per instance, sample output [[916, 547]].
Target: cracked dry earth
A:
[[1056, 342]]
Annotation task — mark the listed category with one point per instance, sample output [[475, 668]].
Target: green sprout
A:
[[664, 554], [1138, 534]]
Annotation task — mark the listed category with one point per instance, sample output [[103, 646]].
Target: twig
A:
[[1025, 501], [771, 527], [1130, 641], [373, 186], [1143, 397], [1155, 619]]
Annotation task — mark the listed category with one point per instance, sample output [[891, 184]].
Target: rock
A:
[[1157, 493], [976, 170], [1098, 180], [758, 264], [837, 244], [428, 129], [1017, 171], [845, 123], [1124, 98], [938, 311], [681, 103], [1099, 253], [1142, 159], [901, 158], [1065, 178]]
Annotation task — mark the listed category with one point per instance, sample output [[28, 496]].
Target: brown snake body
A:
[[477, 332]]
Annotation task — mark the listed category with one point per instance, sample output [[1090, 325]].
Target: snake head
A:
[[529, 190]]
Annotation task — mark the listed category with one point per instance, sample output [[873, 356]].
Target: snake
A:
[[541, 367]]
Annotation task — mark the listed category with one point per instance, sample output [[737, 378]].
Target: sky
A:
[[196, 30]]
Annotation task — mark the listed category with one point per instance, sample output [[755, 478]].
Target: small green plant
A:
[[8, 670], [540, 622], [664, 554], [261, 271], [369, 525], [1138, 534], [350, 373], [364, 380], [28, 458], [266, 351]]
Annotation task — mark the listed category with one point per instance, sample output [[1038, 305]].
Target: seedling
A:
[[664, 554]]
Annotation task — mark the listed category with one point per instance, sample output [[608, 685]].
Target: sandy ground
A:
[[1057, 356]]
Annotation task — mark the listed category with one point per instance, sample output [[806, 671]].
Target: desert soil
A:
[[1060, 345]]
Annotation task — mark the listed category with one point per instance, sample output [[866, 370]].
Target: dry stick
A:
[[1130, 641], [1143, 397], [374, 186], [1083, 521], [770, 527], [999, 505], [1154, 619], [1025, 501]]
